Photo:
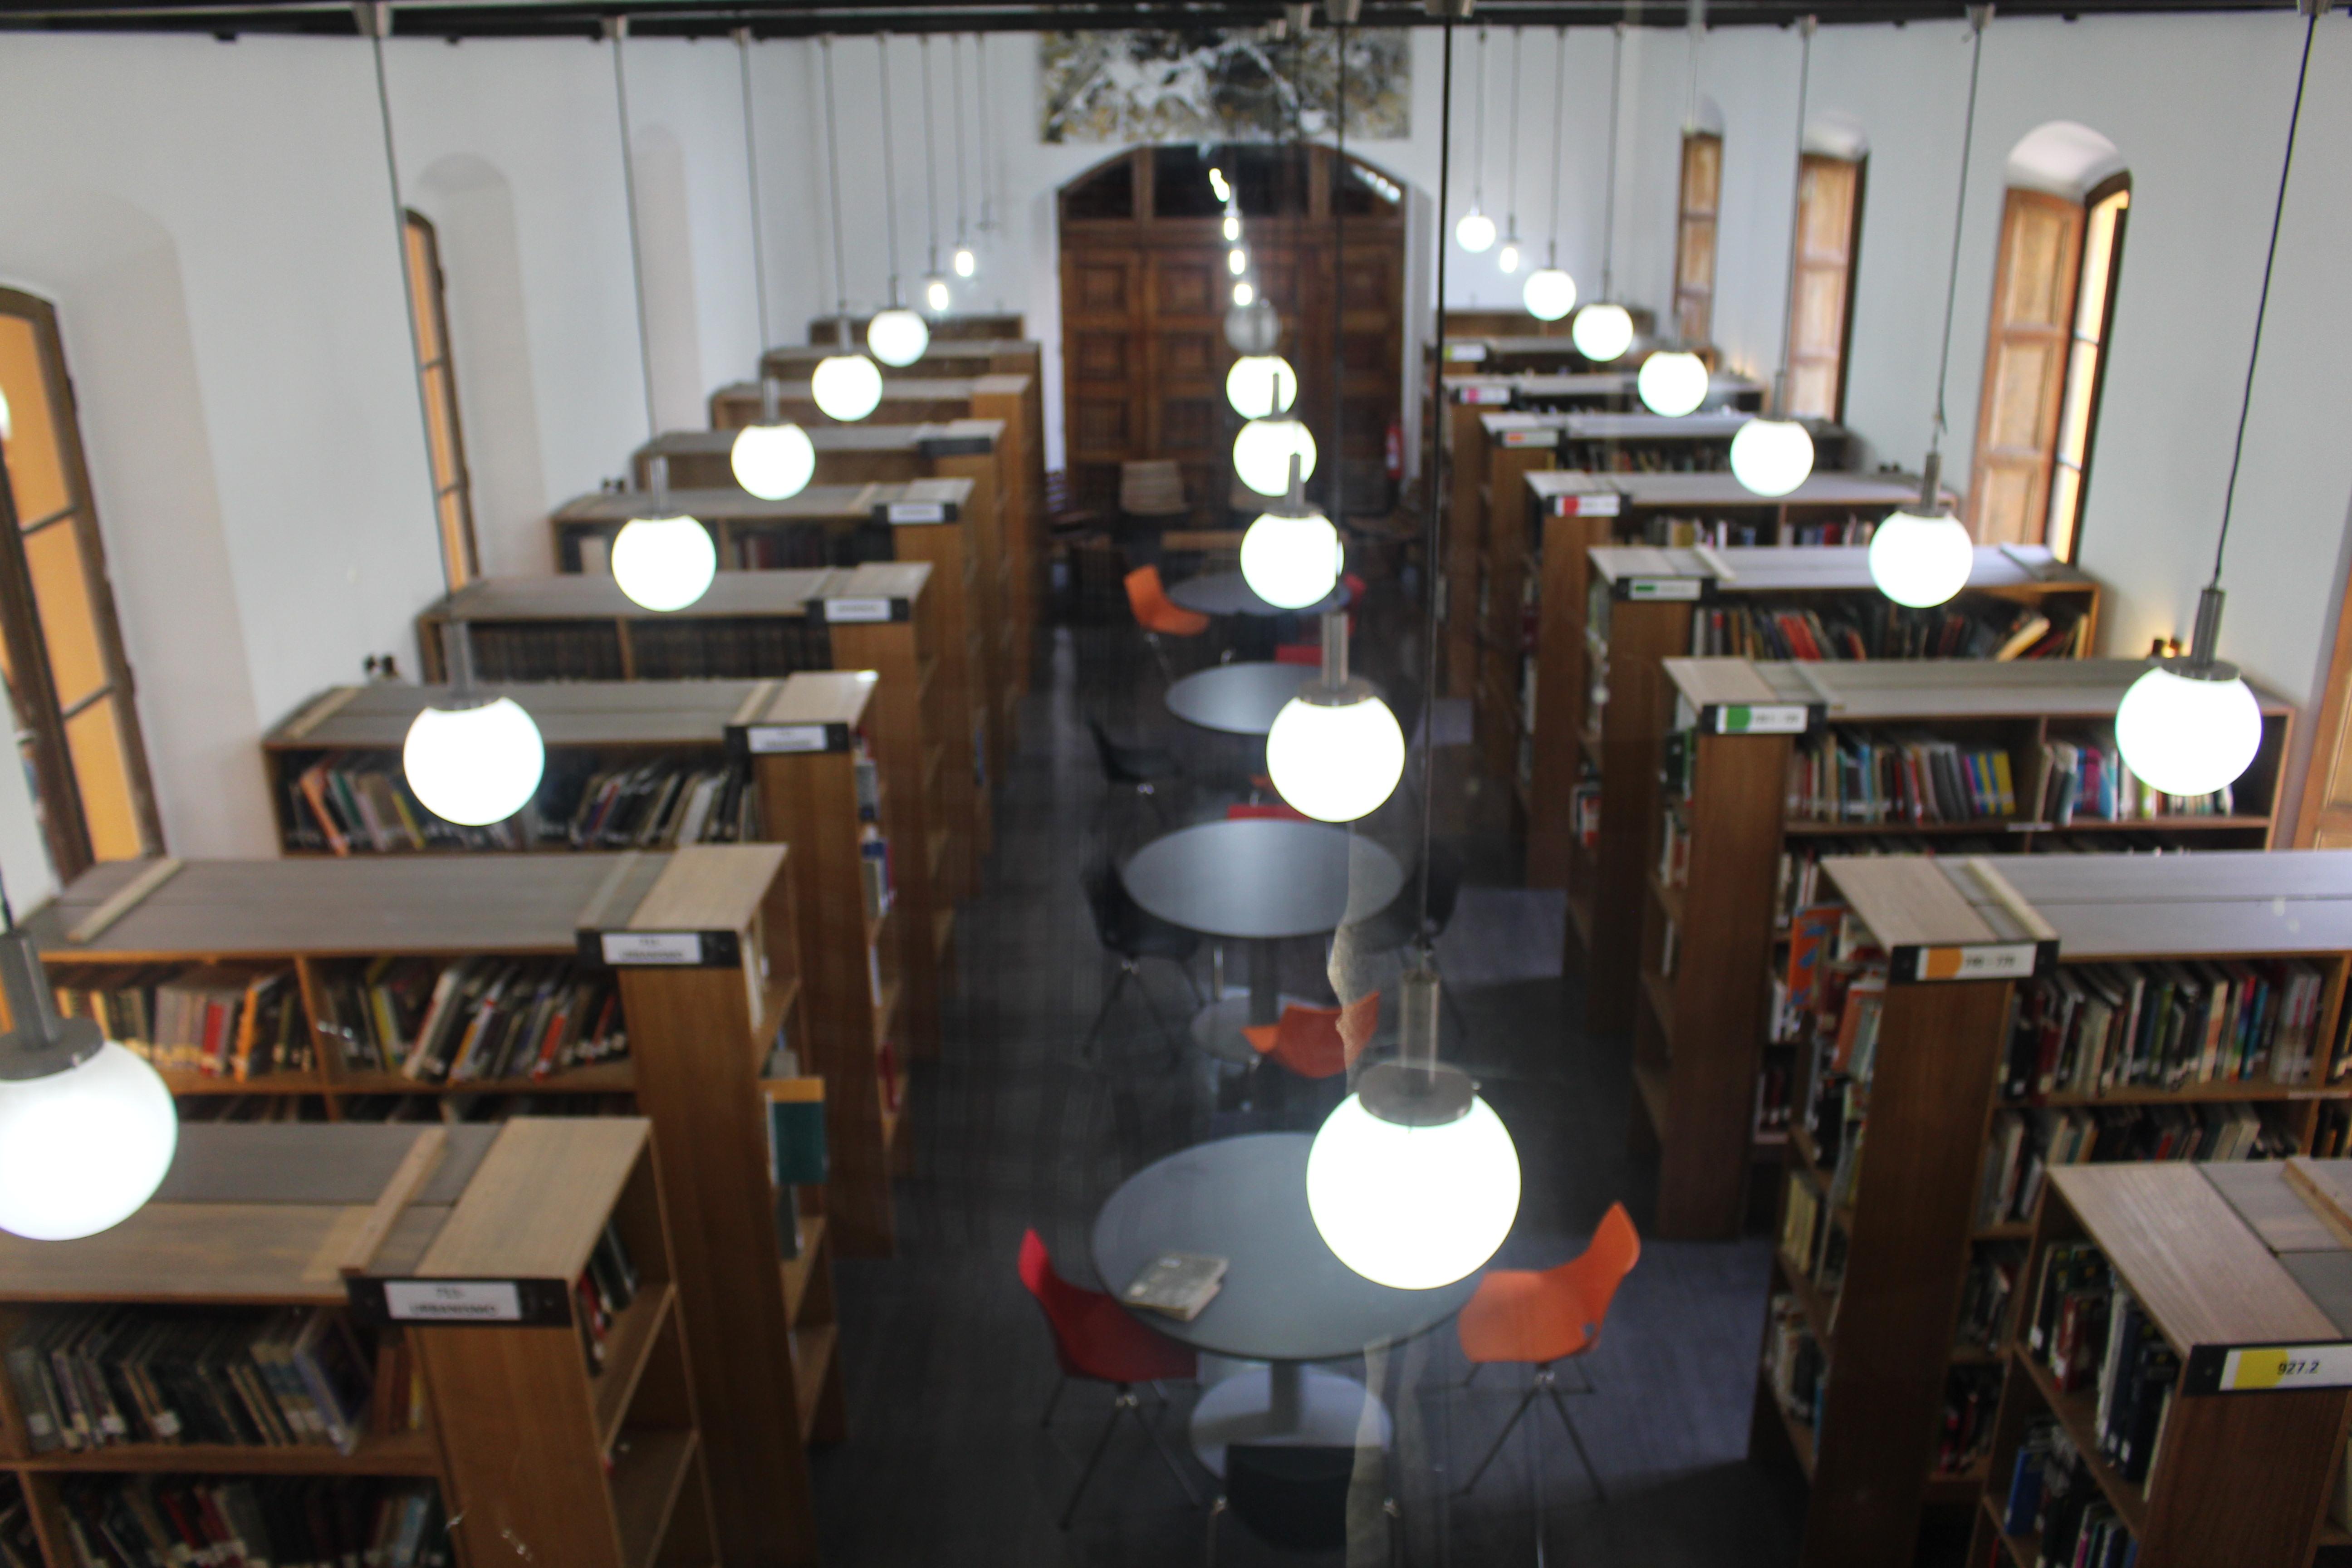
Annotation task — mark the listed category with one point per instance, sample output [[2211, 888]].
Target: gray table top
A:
[[1286, 1297], [1262, 879], [1229, 593], [1239, 699]]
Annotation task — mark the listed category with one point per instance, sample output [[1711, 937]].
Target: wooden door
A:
[[1702, 187], [1821, 296], [2025, 366], [1104, 350]]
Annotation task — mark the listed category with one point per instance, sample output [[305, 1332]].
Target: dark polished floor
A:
[[948, 1361]]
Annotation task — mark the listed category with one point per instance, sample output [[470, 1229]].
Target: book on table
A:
[[1181, 1284]]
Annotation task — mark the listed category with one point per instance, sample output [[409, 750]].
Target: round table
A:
[[1229, 593], [1238, 699], [1287, 1299]]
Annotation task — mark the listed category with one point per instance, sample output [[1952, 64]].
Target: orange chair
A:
[[1539, 1319], [1318, 1042], [1158, 614]]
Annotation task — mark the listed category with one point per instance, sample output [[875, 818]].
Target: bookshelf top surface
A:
[[1820, 488], [2199, 1271], [878, 580], [707, 886], [1858, 690], [832, 437], [328, 906], [536, 1206], [255, 1212], [904, 389], [852, 503], [1707, 681], [568, 712], [811, 697], [2215, 903], [1910, 900], [808, 355], [1769, 569], [1600, 382], [580, 596]]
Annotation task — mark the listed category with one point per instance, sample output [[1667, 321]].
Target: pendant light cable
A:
[[980, 124], [1339, 285], [616, 29], [955, 87], [1432, 574], [377, 20], [1559, 102], [1478, 135], [1978, 16], [2261, 306], [1511, 158], [1609, 213], [930, 162], [889, 165], [833, 174], [752, 177], [1796, 216]]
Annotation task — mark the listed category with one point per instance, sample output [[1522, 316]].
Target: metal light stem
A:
[[772, 398], [1335, 650], [43, 1043], [1931, 484]]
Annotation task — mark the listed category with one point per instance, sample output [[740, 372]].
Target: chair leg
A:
[[1102, 1016], [1159, 1446], [1533, 1389], [1054, 1399], [1599, 1492], [1102, 1445], [1216, 1512], [1395, 1517], [1151, 797], [1475, 1368]]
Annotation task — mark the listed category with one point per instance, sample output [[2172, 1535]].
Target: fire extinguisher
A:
[[1392, 446]]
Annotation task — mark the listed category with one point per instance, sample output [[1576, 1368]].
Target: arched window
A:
[[60, 644], [453, 500], [2062, 235], [1820, 294]]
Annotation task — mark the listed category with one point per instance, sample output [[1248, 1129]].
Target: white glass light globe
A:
[[1510, 259], [1335, 763], [935, 299], [82, 1150], [1772, 456], [1262, 454], [474, 766], [897, 336], [1237, 261], [1476, 232], [664, 563], [1601, 333], [1549, 294], [966, 263], [773, 461], [2185, 736], [1251, 326], [1292, 562], [1243, 294], [846, 386], [1920, 560], [1232, 227], [1260, 384], [1413, 1207], [1672, 383]]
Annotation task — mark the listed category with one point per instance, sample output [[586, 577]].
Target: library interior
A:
[[622, 639]]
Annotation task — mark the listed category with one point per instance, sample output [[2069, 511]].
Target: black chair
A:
[[1138, 768], [1131, 934], [1293, 1499], [1401, 925]]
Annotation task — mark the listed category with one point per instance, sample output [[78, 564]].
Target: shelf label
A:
[[1477, 396], [1597, 503], [905, 512], [1974, 961], [452, 1302], [1466, 353], [1660, 587], [2262, 1369], [766, 739], [662, 949], [1762, 719], [1547, 436], [838, 610]]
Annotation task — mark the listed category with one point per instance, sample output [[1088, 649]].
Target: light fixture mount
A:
[[44, 1042], [2198, 663], [1417, 1090]]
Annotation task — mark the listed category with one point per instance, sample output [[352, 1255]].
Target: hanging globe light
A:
[[1672, 383], [1244, 294], [1237, 261], [897, 336], [966, 263], [1251, 326], [1335, 751], [935, 299], [1603, 331], [847, 386], [1510, 258], [1476, 232], [1549, 294], [1772, 456], [475, 765], [1262, 454], [664, 563], [87, 1128], [2190, 726], [1261, 384], [1413, 1182], [1232, 228], [1920, 559], [775, 458], [1290, 556]]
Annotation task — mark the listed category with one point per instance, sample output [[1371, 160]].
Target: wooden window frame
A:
[[2106, 190], [1696, 296], [453, 490], [1835, 411], [40, 716]]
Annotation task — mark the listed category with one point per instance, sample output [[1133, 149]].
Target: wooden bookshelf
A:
[[1606, 619], [828, 525], [959, 327], [857, 956], [750, 625], [700, 1036], [1911, 1226], [846, 454], [945, 356], [1700, 1044], [2218, 1258], [606, 1466]]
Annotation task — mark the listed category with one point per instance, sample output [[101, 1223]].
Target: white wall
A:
[[213, 221]]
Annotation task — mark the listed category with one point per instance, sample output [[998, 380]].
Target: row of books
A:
[[2053, 1497], [20, 1545], [1965, 1429], [212, 1020], [1721, 533], [2024, 1145], [474, 1018], [1989, 1295], [360, 802], [700, 647], [1673, 457], [1879, 628], [1795, 1367], [2092, 1029], [1843, 776], [174, 1522], [2088, 778], [664, 802], [604, 1291], [89, 1380], [2093, 1335]]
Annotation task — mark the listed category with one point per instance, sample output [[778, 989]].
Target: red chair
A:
[[1306, 653], [1318, 1042], [1356, 590], [1158, 614], [1095, 1339], [1538, 1319], [1264, 811]]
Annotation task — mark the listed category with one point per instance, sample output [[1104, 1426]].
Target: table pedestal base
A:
[[1283, 1403]]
